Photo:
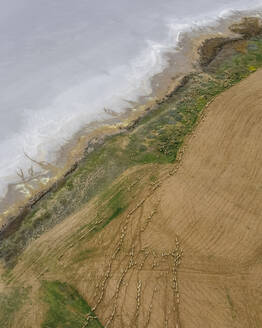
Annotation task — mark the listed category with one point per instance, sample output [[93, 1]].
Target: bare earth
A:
[[188, 252], [214, 203]]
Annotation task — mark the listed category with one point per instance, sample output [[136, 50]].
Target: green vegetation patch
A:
[[240, 65], [67, 308], [10, 303], [231, 305], [111, 203]]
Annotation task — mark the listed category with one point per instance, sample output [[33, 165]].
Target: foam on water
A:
[[59, 107]]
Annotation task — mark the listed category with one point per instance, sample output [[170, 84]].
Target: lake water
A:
[[62, 62]]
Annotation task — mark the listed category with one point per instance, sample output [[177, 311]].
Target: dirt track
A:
[[141, 274]]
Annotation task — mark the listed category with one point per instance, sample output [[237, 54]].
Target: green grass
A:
[[111, 203], [66, 307], [231, 305], [10, 303]]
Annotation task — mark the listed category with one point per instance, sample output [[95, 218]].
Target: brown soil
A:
[[214, 203], [188, 252]]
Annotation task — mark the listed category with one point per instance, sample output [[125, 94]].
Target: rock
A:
[[210, 48], [248, 27]]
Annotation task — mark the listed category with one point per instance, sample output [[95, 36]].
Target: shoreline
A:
[[180, 61], [12, 221], [163, 84], [184, 54], [95, 140]]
